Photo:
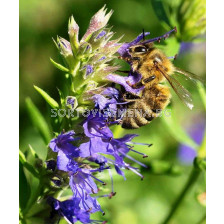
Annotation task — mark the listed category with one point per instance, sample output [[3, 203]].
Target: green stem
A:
[[192, 179]]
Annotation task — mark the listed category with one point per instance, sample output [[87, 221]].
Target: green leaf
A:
[[28, 166], [177, 132], [170, 46], [158, 6], [33, 153], [59, 66], [48, 99], [38, 121], [62, 98], [24, 188]]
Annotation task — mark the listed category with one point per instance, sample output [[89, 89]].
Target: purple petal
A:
[[124, 82]]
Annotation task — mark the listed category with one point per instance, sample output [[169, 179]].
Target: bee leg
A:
[[135, 58], [149, 79], [136, 85], [129, 97]]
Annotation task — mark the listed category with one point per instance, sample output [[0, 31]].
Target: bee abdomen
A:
[[129, 123], [144, 110], [135, 116]]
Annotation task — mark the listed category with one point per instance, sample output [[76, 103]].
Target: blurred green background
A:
[[136, 202]]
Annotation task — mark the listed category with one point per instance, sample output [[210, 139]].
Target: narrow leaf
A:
[[62, 98], [33, 153], [48, 99], [158, 6], [59, 66], [28, 166], [24, 188], [38, 121]]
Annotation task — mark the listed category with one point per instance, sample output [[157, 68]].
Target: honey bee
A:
[[155, 68]]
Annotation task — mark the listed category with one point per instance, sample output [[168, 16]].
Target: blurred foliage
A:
[[187, 15], [146, 201]]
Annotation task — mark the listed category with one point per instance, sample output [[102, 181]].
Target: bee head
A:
[[139, 50]]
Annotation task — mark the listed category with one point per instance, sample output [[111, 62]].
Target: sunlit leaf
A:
[[48, 99], [38, 121], [59, 66], [158, 6], [28, 166], [33, 153]]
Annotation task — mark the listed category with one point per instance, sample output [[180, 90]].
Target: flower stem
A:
[[192, 179]]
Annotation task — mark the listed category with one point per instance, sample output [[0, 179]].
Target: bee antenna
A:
[[143, 32]]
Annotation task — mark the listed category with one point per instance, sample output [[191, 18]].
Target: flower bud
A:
[[84, 51], [98, 21], [66, 51], [71, 102], [73, 31]]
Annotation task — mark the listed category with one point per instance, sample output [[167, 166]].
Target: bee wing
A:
[[182, 93], [194, 78]]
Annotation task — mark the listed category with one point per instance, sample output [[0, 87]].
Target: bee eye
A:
[[140, 49]]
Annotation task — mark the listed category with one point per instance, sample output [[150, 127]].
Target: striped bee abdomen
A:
[[141, 111]]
